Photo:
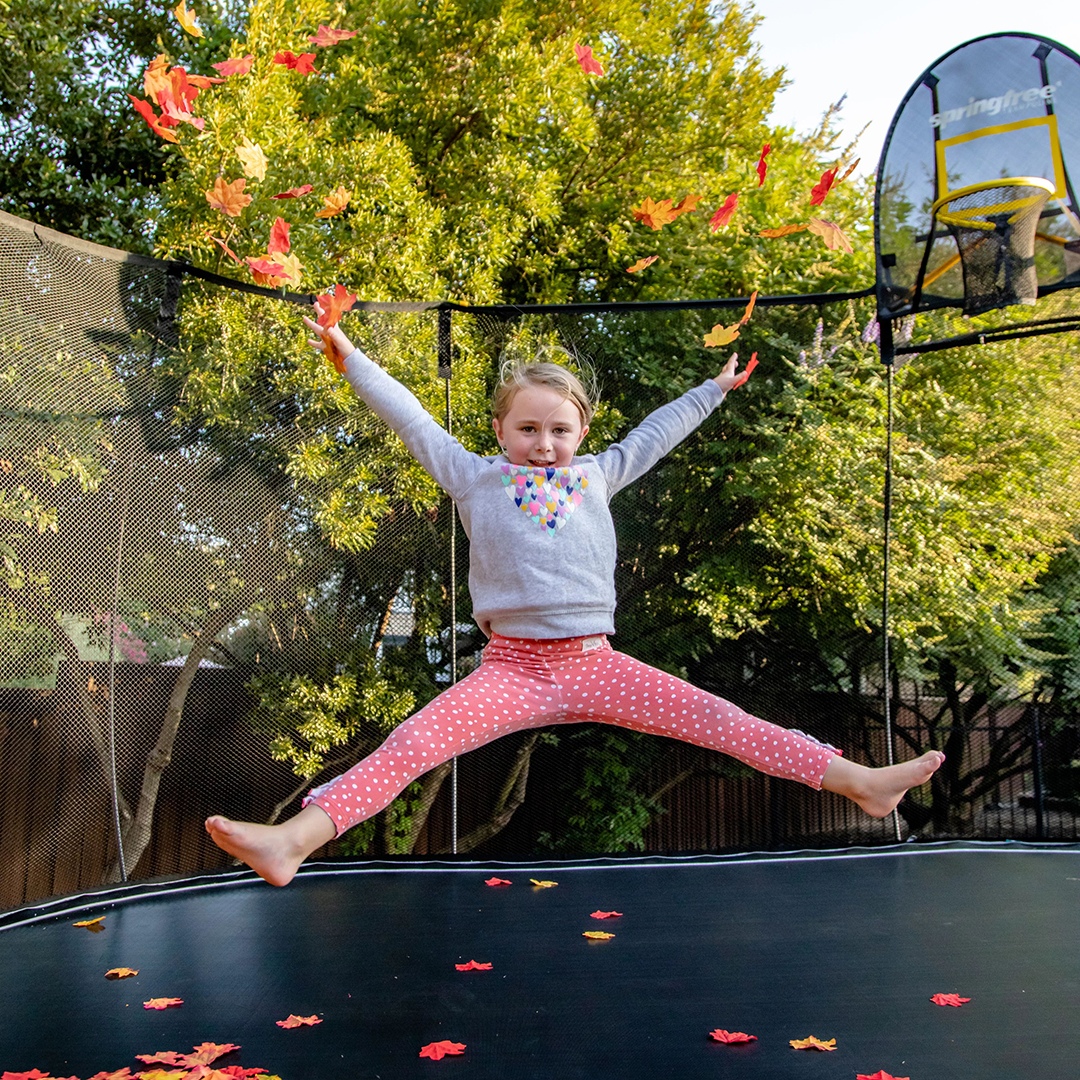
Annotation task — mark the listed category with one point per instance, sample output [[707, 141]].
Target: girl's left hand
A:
[[728, 379]]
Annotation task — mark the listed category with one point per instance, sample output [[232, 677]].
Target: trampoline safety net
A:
[[223, 580]]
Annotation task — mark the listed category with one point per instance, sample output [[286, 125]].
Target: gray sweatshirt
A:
[[542, 542]]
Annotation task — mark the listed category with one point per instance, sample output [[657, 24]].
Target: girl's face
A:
[[541, 428]]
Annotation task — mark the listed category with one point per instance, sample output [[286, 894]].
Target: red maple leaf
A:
[[120, 1074], [724, 1036], [761, 166], [589, 64], [606, 915], [301, 64], [949, 999], [472, 965], [294, 1021], [33, 1074], [162, 1003], [206, 1053], [264, 265], [723, 215], [437, 1050], [327, 36], [293, 192], [279, 238], [821, 188], [881, 1075], [496, 881], [745, 373], [334, 305], [164, 1057], [146, 111], [239, 65], [238, 1072]]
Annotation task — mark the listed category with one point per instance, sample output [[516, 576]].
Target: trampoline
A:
[[847, 945]]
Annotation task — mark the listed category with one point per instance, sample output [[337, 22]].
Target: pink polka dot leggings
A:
[[527, 684]]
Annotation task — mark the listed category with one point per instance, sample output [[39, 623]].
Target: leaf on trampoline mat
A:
[[165, 1074], [597, 935], [121, 973], [437, 1050], [782, 230], [812, 1043], [229, 198], [496, 881], [293, 192], [606, 915], [95, 926], [543, 884], [724, 1036], [472, 965], [881, 1074], [589, 64], [949, 999], [721, 335], [207, 1053], [831, 234], [641, 264], [821, 188], [724, 214], [334, 305], [294, 1021], [162, 1003], [121, 1074], [33, 1074], [162, 1057]]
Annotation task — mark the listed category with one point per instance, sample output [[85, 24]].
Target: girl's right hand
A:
[[342, 345]]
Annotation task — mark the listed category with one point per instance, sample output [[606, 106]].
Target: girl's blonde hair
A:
[[516, 373]]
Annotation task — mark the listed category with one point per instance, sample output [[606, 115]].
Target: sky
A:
[[874, 52]]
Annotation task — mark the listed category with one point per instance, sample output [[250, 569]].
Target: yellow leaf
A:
[[831, 234], [121, 973], [811, 1043], [187, 19], [641, 264], [92, 924], [597, 935], [654, 214], [157, 78], [543, 884], [334, 203], [721, 335], [291, 267], [253, 159]]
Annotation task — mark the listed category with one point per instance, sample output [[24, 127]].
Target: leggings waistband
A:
[[545, 648]]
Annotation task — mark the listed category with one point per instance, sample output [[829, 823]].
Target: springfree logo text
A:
[[992, 106]]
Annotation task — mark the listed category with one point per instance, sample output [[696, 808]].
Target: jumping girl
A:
[[541, 576]]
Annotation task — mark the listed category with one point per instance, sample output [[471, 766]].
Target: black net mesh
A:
[[225, 581]]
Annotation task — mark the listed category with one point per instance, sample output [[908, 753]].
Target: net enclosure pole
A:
[[446, 355]]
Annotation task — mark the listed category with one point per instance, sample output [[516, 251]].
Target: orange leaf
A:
[[239, 65], [497, 881], [301, 64], [334, 203], [721, 335], [293, 192], [589, 64], [721, 1035], [120, 1074], [831, 234], [206, 1053], [688, 205], [187, 19], [472, 965], [881, 1075], [162, 1003], [294, 1021], [949, 999], [203, 82], [327, 36], [264, 265], [543, 884], [783, 230], [655, 215], [811, 1043], [279, 237], [165, 1057], [597, 935], [606, 915], [334, 305], [229, 198], [723, 215], [95, 926], [156, 78], [146, 110], [746, 372], [761, 166], [849, 170], [641, 264], [220, 241], [821, 188], [437, 1050], [121, 973], [749, 309], [332, 353]]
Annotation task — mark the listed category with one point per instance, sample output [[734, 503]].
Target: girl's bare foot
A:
[[878, 791], [274, 852]]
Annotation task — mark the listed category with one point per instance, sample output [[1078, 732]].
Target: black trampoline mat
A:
[[847, 946]]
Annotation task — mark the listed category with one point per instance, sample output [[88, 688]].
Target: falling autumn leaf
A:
[[543, 884], [783, 230], [265, 270], [761, 166], [252, 159], [178, 115], [949, 999], [721, 1035], [294, 1021], [472, 965], [95, 926], [687, 206], [745, 373], [437, 1050], [220, 241], [641, 264], [881, 1075], [606, 915], [849, 170], [811, 1043], [821, 188], [831, 234], [239, 65], [203, 82], [327, 36], [146, 110], [654, 214], [721, 335], [597, 935], [334, 203], [496, 881], [724, 213], [293, 192], [229, 198], [156, 77], [162, 1003], [279, 237], [334, 305], [301, 64], [589, 64], [291, 268], [749, 309], [121, 973], [187, 19]]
